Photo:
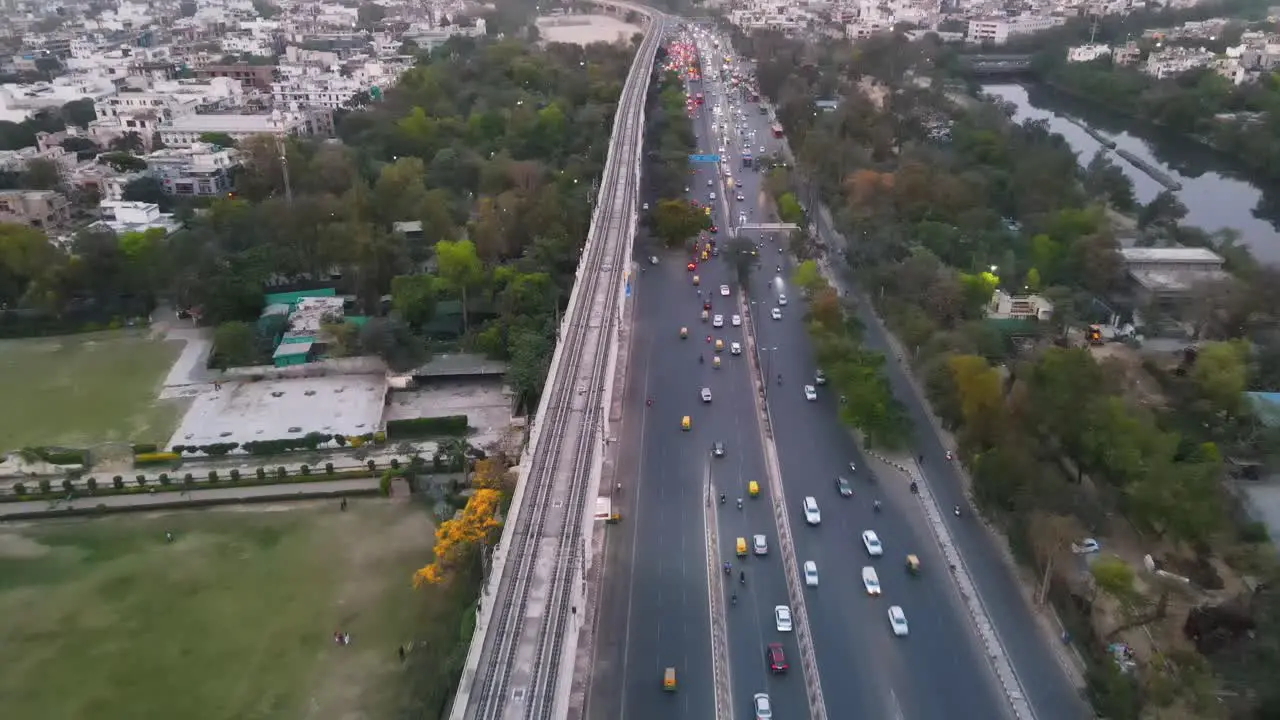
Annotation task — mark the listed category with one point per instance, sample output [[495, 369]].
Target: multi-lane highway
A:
[[939, 670]]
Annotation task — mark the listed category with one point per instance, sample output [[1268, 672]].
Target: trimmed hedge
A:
[[155, 458], [61, 455], [428, 427], [221, 483], [144, 448]]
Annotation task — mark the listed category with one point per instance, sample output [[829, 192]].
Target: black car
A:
[[718, 449], [842, 484]]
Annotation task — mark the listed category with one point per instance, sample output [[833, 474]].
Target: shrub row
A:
[[144, 448], [155, 458], [310, 441], [428, 427], [58, 455], [262, 476]]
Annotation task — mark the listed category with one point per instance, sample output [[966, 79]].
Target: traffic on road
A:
[[727, 374]]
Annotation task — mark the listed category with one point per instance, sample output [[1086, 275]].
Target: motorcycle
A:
[[721, 498], [649, 402], [742, 577], [957, 511], [727, 568], [739, 503], [876, 506], [915, 489], [779, 379], [700, 360], [733, 599]]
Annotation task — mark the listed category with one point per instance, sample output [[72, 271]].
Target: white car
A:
[[809, 392], [653, 259], [724, 290], [764, 709], [810, 573], [870, 580], [717, 321], [736, 320], [761, 149], [735, 348], [872, 542], [782, 299], [811, 514], [741, 197], [711, 195], [759, 545], [782, 618], [776, 313], [709, 183], [706, 394], [898, 621]]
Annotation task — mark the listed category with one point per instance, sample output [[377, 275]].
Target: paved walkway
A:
[[176, 499]]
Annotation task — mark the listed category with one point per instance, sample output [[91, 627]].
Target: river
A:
[[1216, 195]]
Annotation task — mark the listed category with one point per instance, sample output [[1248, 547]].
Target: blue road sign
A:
[[704, 158]]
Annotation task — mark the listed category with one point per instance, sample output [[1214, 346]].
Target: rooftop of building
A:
[[1170, 255]]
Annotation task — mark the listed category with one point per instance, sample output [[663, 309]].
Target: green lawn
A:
[[80, 390], [104, 619]]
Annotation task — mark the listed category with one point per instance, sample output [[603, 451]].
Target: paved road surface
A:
[[938, 671]]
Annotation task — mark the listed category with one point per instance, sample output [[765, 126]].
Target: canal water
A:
[[1216, 194]]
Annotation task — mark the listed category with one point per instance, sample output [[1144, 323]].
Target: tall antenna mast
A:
[[284, 168]]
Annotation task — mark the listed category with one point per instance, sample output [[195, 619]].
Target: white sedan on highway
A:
[[776, 313], [724, 290], [782, 618], [809, 392], [706, 395], [736, 320], [811, 514], [810, 573], [870, 580], [898, 621], [717, 321], [735, 348], [872, 542]]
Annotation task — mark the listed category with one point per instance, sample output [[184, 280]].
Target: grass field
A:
[[234, 620], [80, 390]]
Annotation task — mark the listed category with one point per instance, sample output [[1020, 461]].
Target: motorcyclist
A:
[[721, 498], [727, 568], [739, 503], [914, 488], [876, 506], [733, 598], [742, 576], [649, 402], [701, 360], [957, 511], [779, 378]]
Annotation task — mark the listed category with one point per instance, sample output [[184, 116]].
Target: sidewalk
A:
[[196, 498]]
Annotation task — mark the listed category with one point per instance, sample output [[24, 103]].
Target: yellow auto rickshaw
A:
[[685, 423], [684, 332], [697, 280], [704, 256], [705, 315], [741, 547], [719, 345], [913, 564], [669, 679], [753, 488], [715, 362]]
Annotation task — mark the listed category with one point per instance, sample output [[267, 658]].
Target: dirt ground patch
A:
[[234, 619]]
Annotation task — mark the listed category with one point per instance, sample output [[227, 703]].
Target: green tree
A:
[[42, 174], [1221, 373], [220, 139], [414, 298], [394, 342], [461, 268], [676, 221], [122, 162], [234, 345], [807, 277]]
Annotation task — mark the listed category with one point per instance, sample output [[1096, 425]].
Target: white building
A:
[[1087, 53], [1175, 61], [201, 170], [1004, 306], [145, 112], [184, 131], [998, 30], [130, 216]]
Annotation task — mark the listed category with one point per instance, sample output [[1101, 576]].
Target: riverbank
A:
[[1217, 194]]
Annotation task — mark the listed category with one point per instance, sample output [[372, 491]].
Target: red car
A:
[[706, 305], [691, 267], [775, 657], [714, 229]]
